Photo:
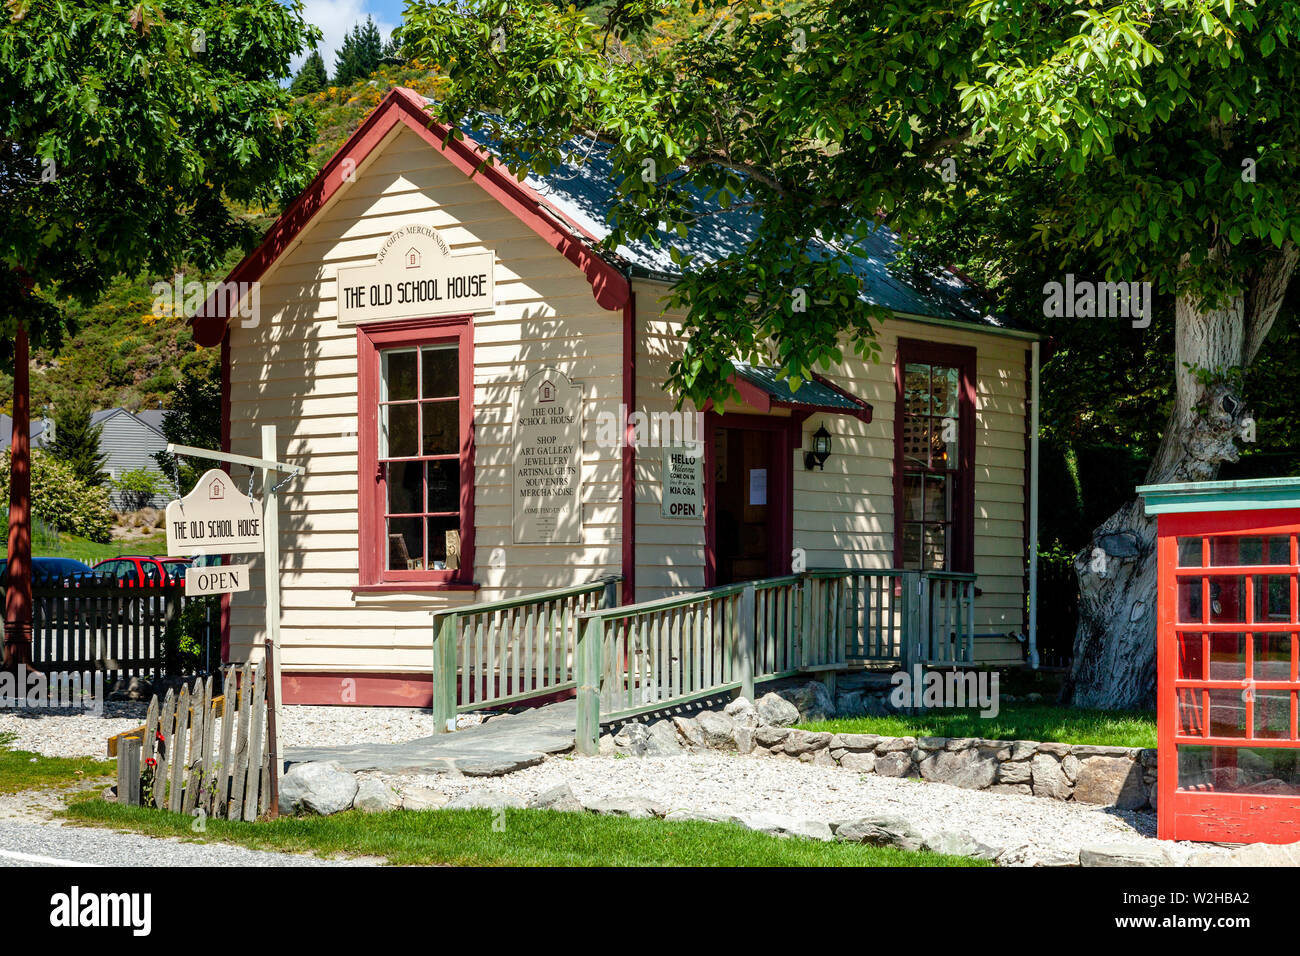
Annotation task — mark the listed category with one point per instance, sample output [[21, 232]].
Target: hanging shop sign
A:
[[682, 479], [222, 579], [214, 518], [547, 460], [415, 276]]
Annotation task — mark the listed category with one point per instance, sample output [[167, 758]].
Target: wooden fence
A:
[[99, 623], [200, 753], [499, 652]]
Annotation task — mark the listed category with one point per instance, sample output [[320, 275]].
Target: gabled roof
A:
[[34, 432], [567, 208], [100, 417], [764, 388]]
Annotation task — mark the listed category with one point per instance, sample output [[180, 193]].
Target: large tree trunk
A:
[[1114, 663], [18, 593]]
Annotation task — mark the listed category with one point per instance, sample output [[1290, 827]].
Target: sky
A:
[[336, 18]]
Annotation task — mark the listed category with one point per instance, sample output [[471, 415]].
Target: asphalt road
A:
[[42, 844]]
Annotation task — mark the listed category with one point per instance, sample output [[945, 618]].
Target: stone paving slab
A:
[[500, 745]]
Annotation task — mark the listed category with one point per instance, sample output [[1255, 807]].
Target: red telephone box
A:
[[1228, 765]]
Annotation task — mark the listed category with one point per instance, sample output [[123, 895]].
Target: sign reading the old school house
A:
[[214, 518], [547, 460], [415, 276]]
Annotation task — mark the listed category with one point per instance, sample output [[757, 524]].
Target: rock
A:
[[880, 831], [766, 736], [932, 743], [707, 816], [110, 794], [964, 743], [898, 764], [961, 843], [851, 704], [1070, 766], [632, 739], [819, 758], [775, 711], [812, 700], [485, 800], [806, 741], [857, 742], [319, 787], [638, 808], [744, 738], [716, 729], [786, 826], [1265, 854], [662, 739], [1018, 788], [1091, 750], [689, 730], [1030, 855], [1023, 749], [422, 798], [132, 688], [375, 796], [607, 748], [864, 763], [889, 745], [742, 712], [559, 798], [497, 766], [1110, 781], [959, 768], [1148, 758], [1050, 747], [1048, 778], [1015, 772], [1116, 854]]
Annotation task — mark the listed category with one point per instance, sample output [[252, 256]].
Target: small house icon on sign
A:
[[546, 391], [217, 491], [412, 258]]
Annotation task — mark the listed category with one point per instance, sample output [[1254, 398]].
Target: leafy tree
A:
[[1155, 137], [138, 487], [61, 500], [360, 54], [130, 133], [311, 77], [76, 442], [195, 420]]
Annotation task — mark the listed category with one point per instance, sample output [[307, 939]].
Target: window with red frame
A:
[[415, 442], [934, 458]]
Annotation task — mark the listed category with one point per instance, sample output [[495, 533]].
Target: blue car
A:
[[49, 570]]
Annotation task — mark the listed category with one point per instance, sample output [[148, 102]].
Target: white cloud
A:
[[336, 18]]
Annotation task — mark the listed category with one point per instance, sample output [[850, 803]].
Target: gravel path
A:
[[742, 785], [64, 733]]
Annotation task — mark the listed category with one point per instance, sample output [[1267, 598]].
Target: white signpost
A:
[[217, 518]]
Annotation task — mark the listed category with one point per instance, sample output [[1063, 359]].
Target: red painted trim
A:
[[405, 107], [762, 402], [225, 446], [1025, 492], [373, 689], [630, 343], [372, 545], [785, 433], [963, 358]]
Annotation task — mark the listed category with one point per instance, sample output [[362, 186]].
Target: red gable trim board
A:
[[406, 107]]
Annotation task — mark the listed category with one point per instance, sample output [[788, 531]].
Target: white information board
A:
[[214, 518]]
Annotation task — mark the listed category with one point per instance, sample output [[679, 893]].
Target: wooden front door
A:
[[747, 472]]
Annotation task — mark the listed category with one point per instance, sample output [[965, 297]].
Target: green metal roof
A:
[[1247, 495], [813, 395]]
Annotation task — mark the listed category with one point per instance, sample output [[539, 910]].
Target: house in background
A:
[[128, 442], [42, 432]]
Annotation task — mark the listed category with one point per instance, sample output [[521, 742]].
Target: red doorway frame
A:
[[786, 434]]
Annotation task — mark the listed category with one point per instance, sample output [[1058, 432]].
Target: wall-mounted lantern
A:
[[821, 449]]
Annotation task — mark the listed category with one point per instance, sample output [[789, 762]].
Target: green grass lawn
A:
[[70, 546], [1042, 722], [23, 770], [529, 838]]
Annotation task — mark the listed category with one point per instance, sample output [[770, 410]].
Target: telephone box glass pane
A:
[[1272, 657], [1272, 598], [1273, 713], [1189, 601], [1227, 656], [1190, 719], [1227, 713], [1228, 600], [1257, 770], [1228, 551], [1189, 552], [1191, 657]]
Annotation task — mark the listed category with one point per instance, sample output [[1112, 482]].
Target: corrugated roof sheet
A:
[[811, 394], [584, 191]]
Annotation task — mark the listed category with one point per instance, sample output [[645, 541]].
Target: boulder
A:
[[851, 703], [961, 843], [863, 763], [559, 797], [889, 745], [858, 742], [1110, 781], [485, 800], [897, 764], [323, 788], [497, 766], [716, 729], [775, 711], [1070, 766], [742, 712], [776, 825], [880, 831], [1048, 778], [423, 798], [706, 816], [662, 739], [805, 741], [1015, 771], [689, 730], [766, 736], [1022, 789], [959, 768], [639, 808], [1123, 854], [812, 700], [375, 796], [1029, 854], [744, 738], [132, 688], [632, 739]]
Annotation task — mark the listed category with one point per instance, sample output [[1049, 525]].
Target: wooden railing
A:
[[650, 656], [499, 652]]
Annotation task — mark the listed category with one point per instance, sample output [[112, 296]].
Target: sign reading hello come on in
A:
[[214, 518], [415, 276]]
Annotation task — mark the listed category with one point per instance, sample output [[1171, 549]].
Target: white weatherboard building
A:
[[454, 364]]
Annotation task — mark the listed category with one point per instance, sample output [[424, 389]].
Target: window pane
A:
[[1189, 600], [444, 537], [405, 544], [917, 442], [444, 485], [1273, 713], [1189, 713], [912, 497], [1272, 657], [1227, 656], [441, 428], [938, 500], [398, 431], [1228, 600], [1189, 552], [398, 375], [1239, 770], [916, 389], [1191, 663], [1272, 598], [439, 371], [936, 547], [1227, 713], [947, 391], [404, 487], [912, 546], [1228, 550]]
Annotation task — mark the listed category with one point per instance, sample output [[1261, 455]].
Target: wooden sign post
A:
[[267, 535]]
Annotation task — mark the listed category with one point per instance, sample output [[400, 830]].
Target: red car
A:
[[137, 571]]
